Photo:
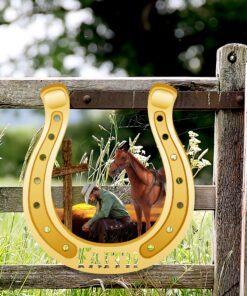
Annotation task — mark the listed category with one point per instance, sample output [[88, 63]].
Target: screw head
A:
[[150, 247], [232, 57], [86, 99], [239, 99], [47, 229], [169, 229], [65, 248], [174, 157]]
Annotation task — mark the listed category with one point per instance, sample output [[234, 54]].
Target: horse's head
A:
[[121, 161]]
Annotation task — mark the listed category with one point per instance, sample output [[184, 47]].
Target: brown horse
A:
[[147, 187]]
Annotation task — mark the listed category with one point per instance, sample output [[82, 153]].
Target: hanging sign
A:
[[109, 258]]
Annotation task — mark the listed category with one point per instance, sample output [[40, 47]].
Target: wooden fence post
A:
[[243, 274], [228, 172]]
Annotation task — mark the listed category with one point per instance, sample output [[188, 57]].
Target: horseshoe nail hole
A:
[[42, 157], [165, 137], [180, 205], [47, 229], [179, 180], [169, 229], [56, 118], [159, 117], [36, 205], [174, 157], [65, 248], [37, 180], [51, 136], [150, 247]]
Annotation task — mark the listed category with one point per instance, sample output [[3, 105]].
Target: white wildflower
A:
[[192, 134], [197, 162], [200, 165], [196, 149], [194, 162], [206, 162], [137, 149], [140, 157], [194, 141]]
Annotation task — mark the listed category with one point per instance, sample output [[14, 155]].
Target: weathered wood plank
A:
[[62, 277], [228, 170], [243, 270], [11, 197], [186, 100], [194, 93]]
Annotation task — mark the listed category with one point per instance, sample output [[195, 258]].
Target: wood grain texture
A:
[[243, 269], [194, 93], [62, 171], [186, 100], [228, 167], [11, 197], [67, 183], [62, 277]]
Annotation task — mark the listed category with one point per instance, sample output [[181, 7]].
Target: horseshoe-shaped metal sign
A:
[[105, 258]]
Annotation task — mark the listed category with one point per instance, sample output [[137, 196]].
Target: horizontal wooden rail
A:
[[11, 197], [62, 277], [194, 93]]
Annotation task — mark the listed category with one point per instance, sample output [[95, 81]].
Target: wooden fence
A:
[[224, 95]]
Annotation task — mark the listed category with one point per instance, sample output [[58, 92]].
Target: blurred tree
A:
[[163, 37], [145, 38]]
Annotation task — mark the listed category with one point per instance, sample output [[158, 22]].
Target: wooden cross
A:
[[66, 171]]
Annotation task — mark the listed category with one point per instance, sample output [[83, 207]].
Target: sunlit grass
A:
[[196, 247], [18, 247]]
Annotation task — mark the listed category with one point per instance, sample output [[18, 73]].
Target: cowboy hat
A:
[[86, 190]]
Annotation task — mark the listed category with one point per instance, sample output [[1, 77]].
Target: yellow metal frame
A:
[[115, 258]]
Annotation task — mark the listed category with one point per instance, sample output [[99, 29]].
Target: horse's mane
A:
[[138, 162]]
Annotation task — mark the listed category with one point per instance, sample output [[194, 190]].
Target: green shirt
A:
[[110, 206]]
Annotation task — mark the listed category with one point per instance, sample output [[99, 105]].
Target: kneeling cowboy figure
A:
[[111, 213]]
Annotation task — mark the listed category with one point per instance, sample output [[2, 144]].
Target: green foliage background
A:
[[143, 38]]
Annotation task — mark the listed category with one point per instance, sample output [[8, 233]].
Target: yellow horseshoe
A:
[[113, 258]]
